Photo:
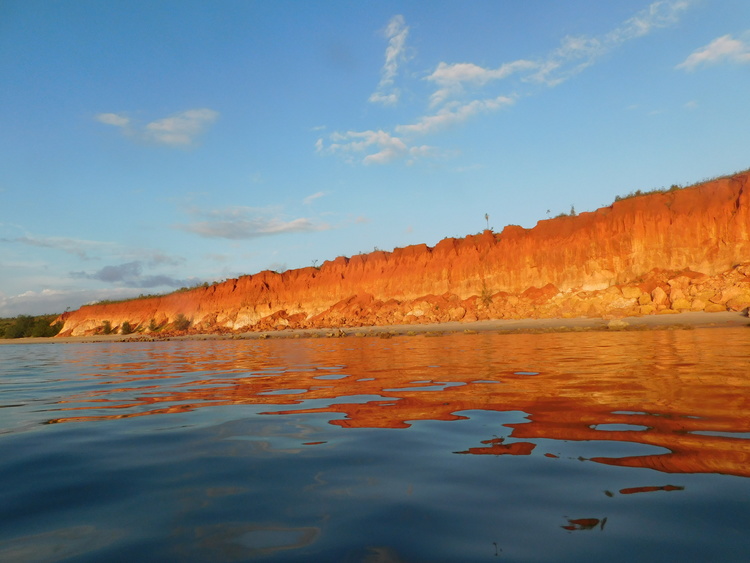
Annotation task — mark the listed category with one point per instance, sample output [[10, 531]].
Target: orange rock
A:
[[659, 297], [632, 292], [739, 302], [540, 295], [644, 299]]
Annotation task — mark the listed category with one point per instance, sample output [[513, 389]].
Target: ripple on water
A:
[[548, 447]]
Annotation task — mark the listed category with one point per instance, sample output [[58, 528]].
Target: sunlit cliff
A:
[[682, 250]]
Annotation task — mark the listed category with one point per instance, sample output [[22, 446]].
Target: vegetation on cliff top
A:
[[675, 187]]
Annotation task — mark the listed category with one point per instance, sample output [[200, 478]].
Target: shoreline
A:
[[687, 320]]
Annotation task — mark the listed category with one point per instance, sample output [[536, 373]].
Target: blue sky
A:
[[146, 146]]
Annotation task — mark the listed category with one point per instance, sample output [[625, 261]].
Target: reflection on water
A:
[[655, 388], [346, 449]]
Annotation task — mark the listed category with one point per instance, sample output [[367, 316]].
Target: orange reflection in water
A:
[[685, 391], [634, 490], [585, 524]]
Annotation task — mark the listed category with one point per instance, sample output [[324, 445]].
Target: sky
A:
[[148, 146]]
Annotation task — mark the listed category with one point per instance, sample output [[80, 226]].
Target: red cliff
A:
[[686, 249]]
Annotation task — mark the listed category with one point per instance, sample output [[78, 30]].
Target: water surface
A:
[[488, 447]]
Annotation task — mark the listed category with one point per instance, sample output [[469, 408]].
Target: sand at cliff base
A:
[[649, 322]]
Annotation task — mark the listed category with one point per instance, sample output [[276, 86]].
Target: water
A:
[[628, 446]]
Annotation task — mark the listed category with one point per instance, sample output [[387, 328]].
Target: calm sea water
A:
[[628, 446]]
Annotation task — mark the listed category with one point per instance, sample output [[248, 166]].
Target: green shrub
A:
[[21, 327], [125, 328], [24, 326], [181, 322], [43, 329]]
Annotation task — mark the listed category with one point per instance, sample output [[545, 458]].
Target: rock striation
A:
[[660, 253]]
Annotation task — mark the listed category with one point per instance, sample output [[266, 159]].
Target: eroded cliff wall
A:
[[689, 244]]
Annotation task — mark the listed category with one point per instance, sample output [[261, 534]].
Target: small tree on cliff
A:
[[126, 328], [181, 322]]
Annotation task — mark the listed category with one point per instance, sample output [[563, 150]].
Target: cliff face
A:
[[660, 252]]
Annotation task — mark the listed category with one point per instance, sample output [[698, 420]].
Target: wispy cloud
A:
[[130, 274], [113, 119], [657, 15], [180, 129], [90, 250], [383, 146], [463, 89], [84, 249], [723, 49], [453, 113], [242, 223], [452, 78], [574, 54], [153, 257], [309, 199], [396, 32]]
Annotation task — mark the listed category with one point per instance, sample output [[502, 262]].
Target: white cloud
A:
[[180, 129], [396, 32], [452, 114], [572, 56], [722, 49], [461, 89], [388, 147], [452, 77], [382, 147], [243, 223]]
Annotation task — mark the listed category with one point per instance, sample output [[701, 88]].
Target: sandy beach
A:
[[687, 320]]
